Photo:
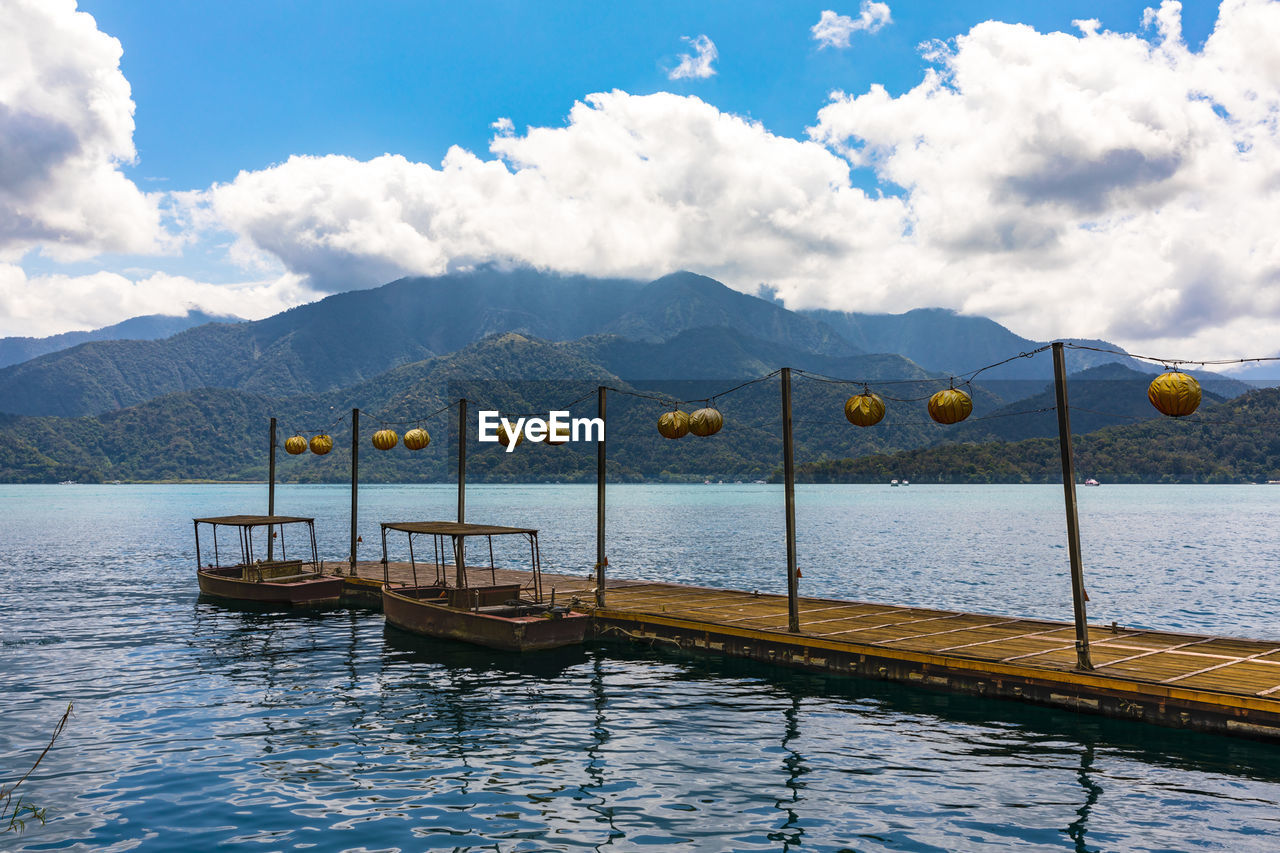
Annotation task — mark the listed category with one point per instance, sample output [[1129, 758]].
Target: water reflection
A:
[[791, 832], [415, 700], [290, 728], [1076, 830]]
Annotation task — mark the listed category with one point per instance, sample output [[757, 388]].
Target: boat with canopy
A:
[[273, 580], [511, 616]]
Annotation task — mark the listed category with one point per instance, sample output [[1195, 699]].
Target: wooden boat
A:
[[508, 616], [271, 581]]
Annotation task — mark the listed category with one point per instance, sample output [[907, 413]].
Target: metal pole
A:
[[462, 460], [789, 486], [601, 562], [386, 569], [355, 481], [271, 487], [1073, 521]]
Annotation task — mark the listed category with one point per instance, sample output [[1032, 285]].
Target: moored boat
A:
[[507, 616], [279, 581]]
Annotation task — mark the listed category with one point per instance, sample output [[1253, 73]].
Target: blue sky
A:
[[236, 85], [1110, 180]]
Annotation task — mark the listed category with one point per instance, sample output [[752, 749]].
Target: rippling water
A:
[[198, 725]]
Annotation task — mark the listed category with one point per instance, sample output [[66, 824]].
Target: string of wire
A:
[[324, 431], [964, 379], [1172, 362], [673, 402], [413, 421]]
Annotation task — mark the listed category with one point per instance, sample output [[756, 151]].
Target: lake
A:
[[198, 725]]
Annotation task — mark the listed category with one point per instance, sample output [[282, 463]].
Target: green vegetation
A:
[[195, 406]]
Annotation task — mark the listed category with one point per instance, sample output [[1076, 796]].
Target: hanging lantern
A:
[[1174, 394], [385, 439], [416, 439], [673, 424], [295, 444], [864, 410], [559, 437], [321, 444], [504, 437], [705, 422], [950, 406]]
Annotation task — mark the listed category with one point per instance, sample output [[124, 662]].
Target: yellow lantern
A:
[[416, 439], [950, 406], [504, 437], [864, 410], [705, 422], [321, 444], [558, 437], [1174, 394], [673, 424], [295, 444], [385, 439]]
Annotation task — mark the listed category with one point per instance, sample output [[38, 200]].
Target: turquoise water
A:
[[201, 726]]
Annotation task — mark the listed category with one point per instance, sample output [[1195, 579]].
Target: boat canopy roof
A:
[[454, 528], [253, 520]]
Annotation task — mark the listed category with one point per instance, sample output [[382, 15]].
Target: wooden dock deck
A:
[[1223, 684]]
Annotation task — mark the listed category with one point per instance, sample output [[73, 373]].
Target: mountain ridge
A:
[[15, 350]]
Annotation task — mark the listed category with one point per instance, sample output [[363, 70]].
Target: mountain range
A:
[[149, 328], [193, 405]]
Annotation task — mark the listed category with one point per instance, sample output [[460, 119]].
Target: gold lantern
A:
[[864, 410], [504, 437], [558, 437], [385, 439], [1174, 394], [416, 439], [295, 444], [321, 444], [950, 406], [673, 424], [705, 422]]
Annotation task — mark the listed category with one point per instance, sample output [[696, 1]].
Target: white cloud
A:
[[1100, 185], [632, 186], [66, 126], [1092, 185], [696, 65], [833, 30], [38, 306]]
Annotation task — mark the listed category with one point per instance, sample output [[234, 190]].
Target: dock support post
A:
[[789, 486], [462, 460], [271, 486], [600, 469], [1073, 521], [355, 482]]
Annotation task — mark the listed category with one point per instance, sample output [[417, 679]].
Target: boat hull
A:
[[506, 633], [219, 583]]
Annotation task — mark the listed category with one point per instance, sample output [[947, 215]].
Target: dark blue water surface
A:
[[199, 726]]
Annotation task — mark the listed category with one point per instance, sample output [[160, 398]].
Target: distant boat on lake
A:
[[1092, 482]]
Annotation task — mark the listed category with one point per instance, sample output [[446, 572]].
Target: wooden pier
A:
[[1219, 684]]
